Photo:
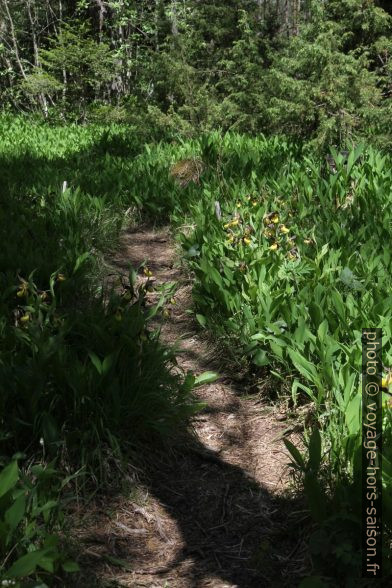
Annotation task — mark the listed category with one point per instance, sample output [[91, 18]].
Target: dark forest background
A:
[[313, 70]]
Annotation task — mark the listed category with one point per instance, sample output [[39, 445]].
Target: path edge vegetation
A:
[[130, 91], [44, 332]]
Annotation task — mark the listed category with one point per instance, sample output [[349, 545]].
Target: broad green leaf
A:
[[261, 358], [27, 564], [315, 496], [95, 361], [206, 378], [305, 368], [108, 363], [15, 513], [353, 414], [201, 319], [296, 455], [8, 477], [314, 451]]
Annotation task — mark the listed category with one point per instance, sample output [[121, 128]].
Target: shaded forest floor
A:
[[216, 509]]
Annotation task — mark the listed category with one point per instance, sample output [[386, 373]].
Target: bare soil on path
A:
[[215, 510]]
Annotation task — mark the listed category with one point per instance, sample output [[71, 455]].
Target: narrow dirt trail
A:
[[214, 512]]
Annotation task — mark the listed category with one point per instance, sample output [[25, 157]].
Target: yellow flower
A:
[[166, 313], [254, 203], [118, 315], [22, 291], [284, 229], [238, 204], [232, 223], [387, 381], [291, 255], [274, 247], [272, 217], [247, 241], [147, 272], [61, 277], [307, 241], [25, 318]]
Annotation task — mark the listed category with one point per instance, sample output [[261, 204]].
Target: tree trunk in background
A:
[[174, 22], [14, 39], [101, 17], [296, 16], [33, 20]]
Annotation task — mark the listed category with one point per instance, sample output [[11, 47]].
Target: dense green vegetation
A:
[[288, 275], [318, 71], [82, 377], [100, 100]]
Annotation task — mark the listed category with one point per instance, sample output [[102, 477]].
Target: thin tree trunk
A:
[[296, 16], [41, 97], [14, 39], [101, 16], [174, 21]]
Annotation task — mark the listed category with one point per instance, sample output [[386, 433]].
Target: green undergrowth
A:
[[85, 382], [296, 265], [291, 259]]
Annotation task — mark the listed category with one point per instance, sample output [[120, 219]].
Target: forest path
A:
[[214, 512]]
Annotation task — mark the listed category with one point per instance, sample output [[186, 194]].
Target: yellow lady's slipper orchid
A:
[[247, 241], [274, 247], [283, 229]]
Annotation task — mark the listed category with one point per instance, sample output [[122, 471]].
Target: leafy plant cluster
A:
[[293, 269], [30, 513], [291, 259], [84, 378]]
